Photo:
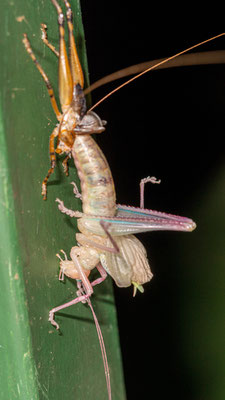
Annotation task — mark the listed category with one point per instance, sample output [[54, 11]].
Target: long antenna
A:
[[104, 356], [153, 67]]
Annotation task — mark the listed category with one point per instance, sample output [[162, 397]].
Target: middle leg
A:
[[143, 181]]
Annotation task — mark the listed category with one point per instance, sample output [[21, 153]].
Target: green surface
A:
[[37, 362], [202, 293]]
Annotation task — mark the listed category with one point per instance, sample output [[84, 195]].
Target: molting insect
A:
[[106, 240], [108, 243]]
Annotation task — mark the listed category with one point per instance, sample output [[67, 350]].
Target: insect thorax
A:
[[76, 121]]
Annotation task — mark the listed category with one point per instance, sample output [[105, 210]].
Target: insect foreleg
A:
[[61, 272], [67, 211], [76, 192], [44, 37], [143, 181], [44, 76], [52, 161]]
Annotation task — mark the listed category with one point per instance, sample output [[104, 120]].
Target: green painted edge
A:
[[15, 336]]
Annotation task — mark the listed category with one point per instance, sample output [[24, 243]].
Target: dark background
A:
[[169, 124]]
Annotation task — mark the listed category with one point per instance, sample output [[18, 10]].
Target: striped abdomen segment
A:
[[97, 186]]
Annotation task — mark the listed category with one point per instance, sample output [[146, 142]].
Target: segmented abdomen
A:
[[97, 186]]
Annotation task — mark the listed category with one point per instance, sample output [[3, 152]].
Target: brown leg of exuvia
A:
[[52, 160], [76, 69], [44, 37], [44, 76], [65, 77]]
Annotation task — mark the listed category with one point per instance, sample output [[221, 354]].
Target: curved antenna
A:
[[198, 58], [153, 67]]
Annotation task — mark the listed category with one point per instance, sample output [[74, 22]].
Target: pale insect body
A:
[[104, 226], [130, 265], [101, 221], [97, 186], [119, 252], [127, 266], [106, 239]]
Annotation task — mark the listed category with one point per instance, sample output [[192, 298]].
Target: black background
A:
[[168, 124]]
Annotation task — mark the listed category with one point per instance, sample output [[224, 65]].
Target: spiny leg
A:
[[44, 76], [44, 38], [65, 76], [143, 181], [76, 69], [52, 161], [87, 288]]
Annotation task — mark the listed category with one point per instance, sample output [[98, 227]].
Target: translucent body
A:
[[120, 253], [127, 266], [97, 186]]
